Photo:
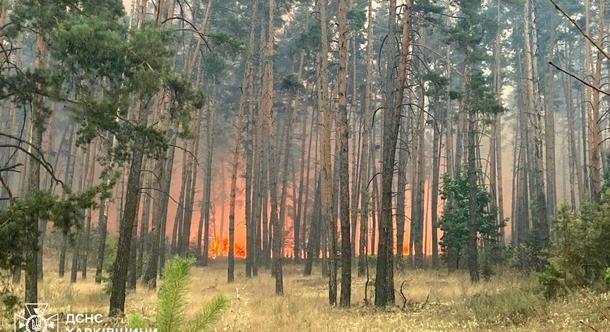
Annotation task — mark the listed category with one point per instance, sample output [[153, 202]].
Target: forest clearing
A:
[[255, 165]]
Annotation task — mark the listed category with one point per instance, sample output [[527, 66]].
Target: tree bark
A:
[[365, 158], [343, 166], [119, 275], [325, 123]]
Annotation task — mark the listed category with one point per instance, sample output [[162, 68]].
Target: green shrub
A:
[[552, 281], [456, 217], [578, 257]]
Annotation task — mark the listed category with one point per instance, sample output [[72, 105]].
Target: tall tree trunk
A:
[[541, 229], [403, 156], [325, 123], [393, 92], [177, 227], [144, 229], [313, 243], [234, 165], [575, 164], [496, 143], [267, 113], [417, 206], [33, 184], [299, 220], [132, 277], [473, 264], [242, 125], [119, 275], [87, 235], [438, 127], [163, 167], [69, 179], [343, 166], [594, 104], [549, 127], [78, 241], [365, 159], [207, 189]]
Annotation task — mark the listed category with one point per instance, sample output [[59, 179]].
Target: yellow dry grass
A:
[[437, 301]]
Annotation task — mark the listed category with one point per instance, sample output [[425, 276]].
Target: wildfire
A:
[[222, 248]]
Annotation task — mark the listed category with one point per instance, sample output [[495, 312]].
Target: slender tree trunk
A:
[[418, 209], [267, 113], [87, 235], [33, 183], [594, 106], [119, 276], [549, 128], [496, 134], [163, 167], [384, 287], [343, 166], [234, 165], [436, 161], [207, 193], [69, 178], [244, 103], [144, 230], [403, 156], [473, 264], [313, 243], [365, 159], [177, 227]]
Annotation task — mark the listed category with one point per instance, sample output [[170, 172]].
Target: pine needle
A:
[[172, 295], [210, 314]]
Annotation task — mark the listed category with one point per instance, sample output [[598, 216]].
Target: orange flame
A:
[[222, 249]]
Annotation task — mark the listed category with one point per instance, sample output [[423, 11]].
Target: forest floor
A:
[[437, 301]]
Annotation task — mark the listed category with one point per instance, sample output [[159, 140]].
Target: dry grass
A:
[[437, 301]]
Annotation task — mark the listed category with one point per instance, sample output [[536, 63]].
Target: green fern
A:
[[209, 315], [172, 294]]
